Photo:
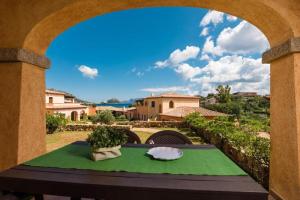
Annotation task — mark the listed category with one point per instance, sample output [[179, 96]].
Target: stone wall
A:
[[154, 124], [249, 164], [127, 125], [89, 127]]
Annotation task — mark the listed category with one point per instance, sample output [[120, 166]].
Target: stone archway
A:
[[30, 26]]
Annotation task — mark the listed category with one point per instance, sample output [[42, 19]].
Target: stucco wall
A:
[[57, 98], [67, 112], [153, 112], [179, 102]]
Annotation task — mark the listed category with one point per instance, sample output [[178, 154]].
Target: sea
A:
[[117, 105]]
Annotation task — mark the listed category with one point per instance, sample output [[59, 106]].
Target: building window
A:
[[171, 104], [160, 108], [153, 104], [146, 103], [50, 99]]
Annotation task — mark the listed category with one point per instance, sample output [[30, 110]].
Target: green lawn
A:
[[143, 135], [59, 139]]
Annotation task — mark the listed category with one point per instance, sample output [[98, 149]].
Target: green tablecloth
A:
[[193, 162]]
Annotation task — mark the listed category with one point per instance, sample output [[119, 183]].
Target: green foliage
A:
[[255, 124], [232, 108], [55, 122], [104, 117], [121, 118], [243, 136], [103, 137], [258, 105], [196, 119], [224, 95], [238, 105]]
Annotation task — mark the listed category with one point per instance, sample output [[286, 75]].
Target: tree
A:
[[224, 95]]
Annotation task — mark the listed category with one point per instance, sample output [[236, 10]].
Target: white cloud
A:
[[133, 70], [178, 56], [231, 18], [205, 57], [187, 71], [166, 89], [241, 73], [209, 47], [213, 17], [140, 74], [161, 64], [88, 71], [205, 31], [242, 39]]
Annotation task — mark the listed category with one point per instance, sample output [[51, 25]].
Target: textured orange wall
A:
[[285, 133], [22, 121]]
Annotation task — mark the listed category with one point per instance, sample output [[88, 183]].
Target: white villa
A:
[[61, 102]]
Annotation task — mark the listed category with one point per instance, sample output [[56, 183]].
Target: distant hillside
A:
[[130, 101]]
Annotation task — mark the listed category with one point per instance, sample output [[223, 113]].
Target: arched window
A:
[[171, 104], [153, 104], [50, 99]]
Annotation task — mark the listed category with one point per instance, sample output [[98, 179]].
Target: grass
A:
[[143, 135], [186, 131], [60, 139]]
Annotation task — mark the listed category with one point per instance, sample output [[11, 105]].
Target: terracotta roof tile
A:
[[173, 95], [54, 92], [101, 108], [65, 106], [184, 111]]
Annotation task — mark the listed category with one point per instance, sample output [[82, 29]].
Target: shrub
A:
[[121, 118], [103, 137], [243, 138], [54, 122], [104, 117]]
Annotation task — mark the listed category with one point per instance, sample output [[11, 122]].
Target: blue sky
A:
[[133, 53]]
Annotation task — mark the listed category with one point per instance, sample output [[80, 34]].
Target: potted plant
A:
[[106, 142]]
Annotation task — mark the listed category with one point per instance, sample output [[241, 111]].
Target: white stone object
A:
[[106, 153]]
